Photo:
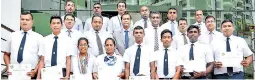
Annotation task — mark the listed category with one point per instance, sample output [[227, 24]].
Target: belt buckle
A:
[[230, 74]]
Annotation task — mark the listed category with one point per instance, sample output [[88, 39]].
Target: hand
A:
[[218, 64], [122, 75], [32, 73], [245, 63], [95, 75], [197, 74]]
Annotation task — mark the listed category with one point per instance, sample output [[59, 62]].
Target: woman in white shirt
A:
[[109, 66], [82, 62]]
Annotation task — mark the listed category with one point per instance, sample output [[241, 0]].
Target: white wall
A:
[[10, 17], [10, 12]]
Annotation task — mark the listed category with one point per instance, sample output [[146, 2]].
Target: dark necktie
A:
[[156, 45], [185, 39], [137, 60], [99, 44], [191, 55], [166, 63], [229, 69], [54, 52], [126, 39], [145, 23], [21, 48]]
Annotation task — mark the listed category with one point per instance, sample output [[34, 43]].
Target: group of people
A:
[[116, 49]]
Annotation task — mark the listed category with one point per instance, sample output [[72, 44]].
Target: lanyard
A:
[[82, 63], [119, 21]]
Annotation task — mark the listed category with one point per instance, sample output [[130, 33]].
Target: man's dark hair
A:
[[166, 31], [226, 20], [70, 15], [126, 13], [69, 1], [154, 12], [138, 28], [96, 15], [172, 9], [121, 2], [193, 26], [26, 13], [209, 16], [56, 17], [182, 19]]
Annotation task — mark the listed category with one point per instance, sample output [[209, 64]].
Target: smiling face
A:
[[126, 20], [210, 24], [109, 46], [55, 25], [155, 20], [26, 22], [227, 29], [83, 46]]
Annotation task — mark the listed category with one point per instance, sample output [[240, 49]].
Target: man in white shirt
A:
[[144, 22], [182, 39], [210, 34], [115, 23], [138, 58], [23, 46], [97, 9], [153, 33], [70, 8], [123, 37], [197, 57], [74, 34], [57, 48], [171, 24], [97, 36], [168, 61], [230, 49], [199, 20]]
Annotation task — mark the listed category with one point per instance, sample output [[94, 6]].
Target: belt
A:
[[166, 78], [227, 74]]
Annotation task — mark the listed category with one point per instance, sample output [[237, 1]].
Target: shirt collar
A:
[[225, 38], [208, 32], [28, 32], [171, 21], [94, 31], [59, 35], [193, 43], [142, 44]]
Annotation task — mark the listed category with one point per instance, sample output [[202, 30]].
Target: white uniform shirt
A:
[[104, 70], [88, 25], [178, 41], [150, 37], [75, 35], [141, 23], [145, 58], [65, 48], [202, 55], [167, 25], [76, 65], [205, 37], [202, 27], [174, 60], [91, 36], [31, 50], [237, 45], [77, 25]]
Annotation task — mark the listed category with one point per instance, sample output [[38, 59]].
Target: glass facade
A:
[[240, 11]]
